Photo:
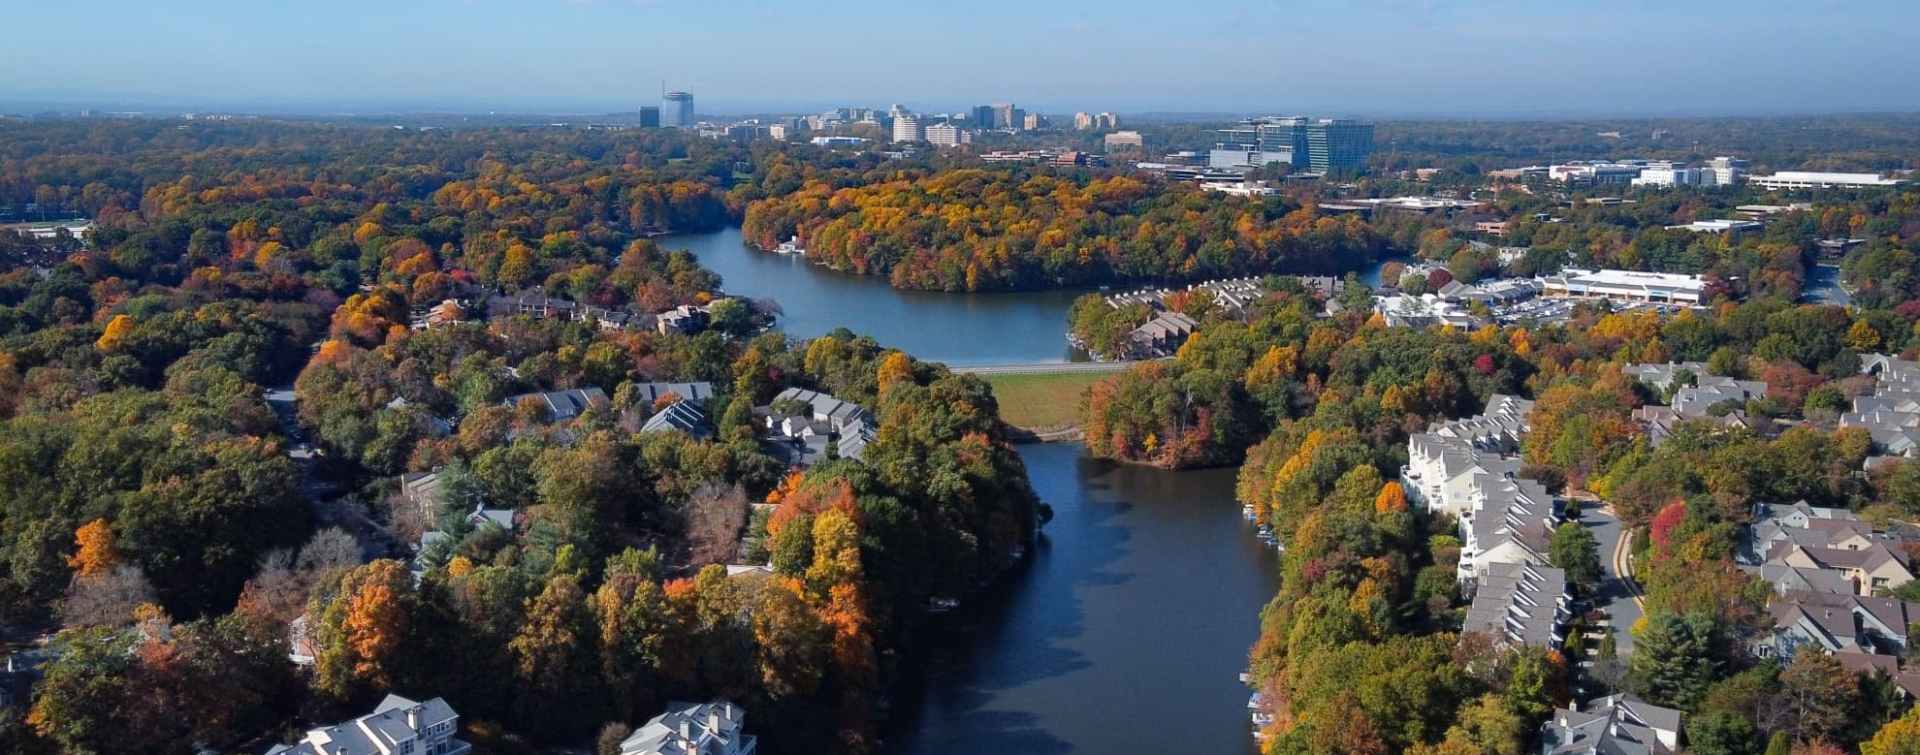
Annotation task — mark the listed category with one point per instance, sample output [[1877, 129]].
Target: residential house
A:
[[1468, 469], [397, 726], [854, 439], [563, 405], [434, 425], [535, 302], [1693, 402], [1521, 605], [1837, 623], [684, 416], [651, 393], [833, 412], [1162, 335], [424, 491], [1616, 725], [685, 319], [1789, 542], [715, 728], [1871, 569], [301, 649]]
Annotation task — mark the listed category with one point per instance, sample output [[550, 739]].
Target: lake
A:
[[957, 328], [1126, 633], [1127, 629]]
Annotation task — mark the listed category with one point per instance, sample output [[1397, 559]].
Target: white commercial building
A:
[[1800, 179], [1729, 227], [946, 135], [1667, 175], [906, 128], [1626, 284], [1594, 173]]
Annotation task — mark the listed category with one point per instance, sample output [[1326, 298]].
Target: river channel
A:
[[1127, 629]]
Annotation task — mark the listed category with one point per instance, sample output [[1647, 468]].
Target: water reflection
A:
[[1136, 611], [961, 329]]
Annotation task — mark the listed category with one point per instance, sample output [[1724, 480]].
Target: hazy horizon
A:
[[1402, 58]]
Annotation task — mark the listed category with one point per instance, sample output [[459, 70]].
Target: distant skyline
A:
[[1393, 58]]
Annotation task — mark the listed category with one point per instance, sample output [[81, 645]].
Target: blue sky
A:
[[1385, 57]]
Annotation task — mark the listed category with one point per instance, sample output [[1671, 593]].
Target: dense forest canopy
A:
[[174, 520]]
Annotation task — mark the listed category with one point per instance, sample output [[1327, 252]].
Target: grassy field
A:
[[1042, 399]]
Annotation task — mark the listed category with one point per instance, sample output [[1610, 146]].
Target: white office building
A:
[[1626, 284], [1789, 180], [906, 128], [947, 135]]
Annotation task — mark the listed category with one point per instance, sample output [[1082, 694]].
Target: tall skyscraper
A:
[[1082, 121], [677, 107], [983, 116], [649, 116]]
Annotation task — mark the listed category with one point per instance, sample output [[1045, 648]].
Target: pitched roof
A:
[[683, 416], [691, 729]]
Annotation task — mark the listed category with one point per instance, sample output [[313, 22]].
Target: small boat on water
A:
[[790, 246]]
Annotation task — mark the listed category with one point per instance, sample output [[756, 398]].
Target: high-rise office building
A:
[[1338, 144], [983, 116], [1033, 122], [1082, 121], [1317, 144], [1106, 120], [677, 108], [906, 128], [649, 116], [1005, 115]]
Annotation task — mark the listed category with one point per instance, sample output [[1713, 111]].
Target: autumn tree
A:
[[365, 624], [115, 334], [94, 553], [1900, 736], [553, 656]]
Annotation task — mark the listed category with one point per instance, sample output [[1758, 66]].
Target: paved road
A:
[[1039, 368], [1619, 598], [1823, 286]]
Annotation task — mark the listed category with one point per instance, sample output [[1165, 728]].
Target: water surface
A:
[[1128, 628], [1126, 633], [956, 328]]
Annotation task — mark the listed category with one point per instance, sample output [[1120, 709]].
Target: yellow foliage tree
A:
[[94, 552], [895, 368], [1392, 498], [1900, 736], [115, 334], [1862, 337]]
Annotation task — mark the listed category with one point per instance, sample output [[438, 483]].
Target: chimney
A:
[[413, 718], [713, 719], [686, 728]]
